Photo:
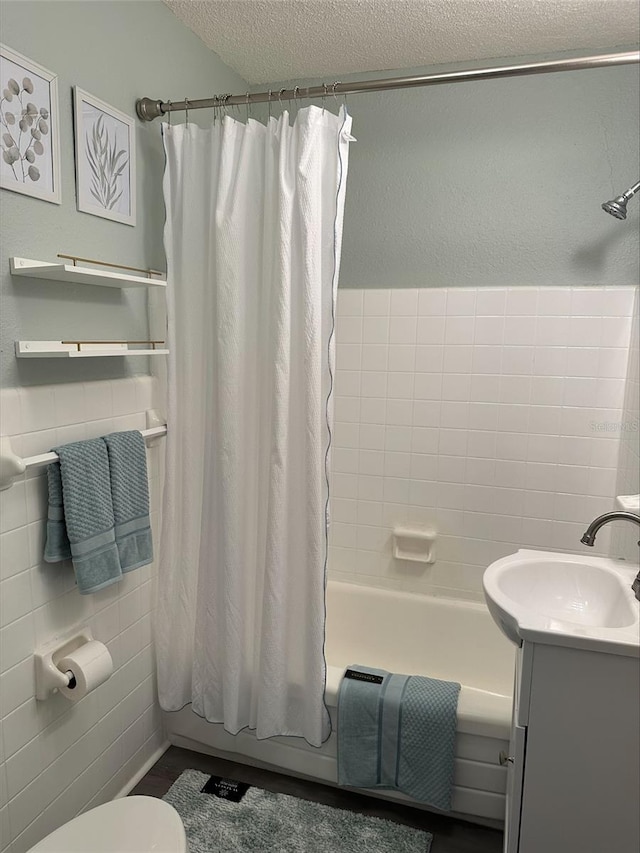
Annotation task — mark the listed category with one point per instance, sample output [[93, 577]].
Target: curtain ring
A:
[[269, 105], [186, 110], [247, 106], [324, 95], [280, 97], [169, 115]]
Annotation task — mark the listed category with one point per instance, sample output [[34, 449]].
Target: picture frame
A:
[[105, 159], [29, 119]]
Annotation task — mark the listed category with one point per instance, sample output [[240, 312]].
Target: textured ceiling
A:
[[270, 40]]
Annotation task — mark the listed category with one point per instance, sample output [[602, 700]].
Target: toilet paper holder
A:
[[48, 677]]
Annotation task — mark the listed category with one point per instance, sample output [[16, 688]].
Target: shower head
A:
[[618, 206]]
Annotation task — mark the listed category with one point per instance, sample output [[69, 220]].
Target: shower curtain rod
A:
[[148, 109]]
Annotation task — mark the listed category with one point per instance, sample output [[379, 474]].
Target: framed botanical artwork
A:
[[105, 159], [29, 117]]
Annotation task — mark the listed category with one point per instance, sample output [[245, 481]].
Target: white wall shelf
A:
[[59, 349], [80, 275]]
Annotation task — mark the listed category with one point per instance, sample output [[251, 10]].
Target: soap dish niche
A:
[[415, 545]]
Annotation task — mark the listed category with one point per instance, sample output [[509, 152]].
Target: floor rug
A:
[[264, 822]]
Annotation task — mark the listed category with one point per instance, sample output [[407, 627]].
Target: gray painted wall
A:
[[493, 183], [117, 51]]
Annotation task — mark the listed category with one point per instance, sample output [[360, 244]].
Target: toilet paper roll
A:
[[90, 664]]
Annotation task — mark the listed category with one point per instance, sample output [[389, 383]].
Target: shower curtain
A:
[[253, 237]]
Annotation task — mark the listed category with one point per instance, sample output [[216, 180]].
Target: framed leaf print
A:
[[105, 159], [30, 161]]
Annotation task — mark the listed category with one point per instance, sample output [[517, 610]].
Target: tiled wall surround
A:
[[58, 758], [484, 413], [625, 536]]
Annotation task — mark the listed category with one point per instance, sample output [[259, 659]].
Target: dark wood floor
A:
[[450, 836]]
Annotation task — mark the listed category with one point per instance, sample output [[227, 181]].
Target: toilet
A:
[[127, 825]]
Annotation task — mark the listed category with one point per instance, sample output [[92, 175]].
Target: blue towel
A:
[[82, 525], [130, 495], [398, 734]]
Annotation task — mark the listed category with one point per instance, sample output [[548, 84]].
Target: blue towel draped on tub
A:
[[398, 732], [99, 509]]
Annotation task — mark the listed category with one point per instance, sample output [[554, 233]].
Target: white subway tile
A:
[[344, 485], [431, 330], [400, 386], [347, 409], [432, 301], [15, 597], [402, 330], [424, 440], [402, 357], [371, 462], [373, 384], [350, 302], [522, 301], [396, 492], [10, 412], [404, 303], [490, 301], [370, 488], [487, 359], [428, 358], [425, 414], [554, 301], [400, 412], [13, 507], [428, 386], [375, 357], [396, 464], [349, 330], [98, 400], [347, 383], [456, 386], [349, 356], [371, 437], [345, 461], [458, 359], [489, 331], [370, 512], [458, 330], [377, 303], [14, 552], [373, 410], [375, 330], [461, 301]]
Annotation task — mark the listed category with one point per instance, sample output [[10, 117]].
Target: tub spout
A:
[[589, 536]]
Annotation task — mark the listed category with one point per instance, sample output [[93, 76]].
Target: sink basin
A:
[[565, 599]]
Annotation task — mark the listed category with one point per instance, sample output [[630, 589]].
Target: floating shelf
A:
[[59, 349], [79, 275]]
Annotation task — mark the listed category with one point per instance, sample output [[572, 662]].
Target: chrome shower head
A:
[[618, 206]]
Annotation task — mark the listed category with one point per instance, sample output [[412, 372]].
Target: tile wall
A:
[[625, 536], [480, 413], [58, 759]]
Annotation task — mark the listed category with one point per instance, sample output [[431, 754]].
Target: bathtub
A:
[[406, 633]]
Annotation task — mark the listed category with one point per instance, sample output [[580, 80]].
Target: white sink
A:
[[565, 599]]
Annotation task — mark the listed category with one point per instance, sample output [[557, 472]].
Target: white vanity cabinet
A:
[[574, 765]]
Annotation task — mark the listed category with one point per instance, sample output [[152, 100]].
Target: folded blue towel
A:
[[398, 732], [81, 478], [130, 495]]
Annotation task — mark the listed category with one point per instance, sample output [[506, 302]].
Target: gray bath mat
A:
[[263, 822]]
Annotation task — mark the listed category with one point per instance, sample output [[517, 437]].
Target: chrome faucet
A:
[[589, 536]]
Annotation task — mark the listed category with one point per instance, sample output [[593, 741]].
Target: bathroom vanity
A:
[[574, 758]]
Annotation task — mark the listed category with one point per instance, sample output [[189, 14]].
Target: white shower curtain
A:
[[253, 238]]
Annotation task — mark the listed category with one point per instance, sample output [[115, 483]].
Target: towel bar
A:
[[12, 466]]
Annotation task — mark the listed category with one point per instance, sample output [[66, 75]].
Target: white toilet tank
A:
[[127, 825]]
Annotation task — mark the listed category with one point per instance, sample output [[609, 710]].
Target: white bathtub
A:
[[411, 634]]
